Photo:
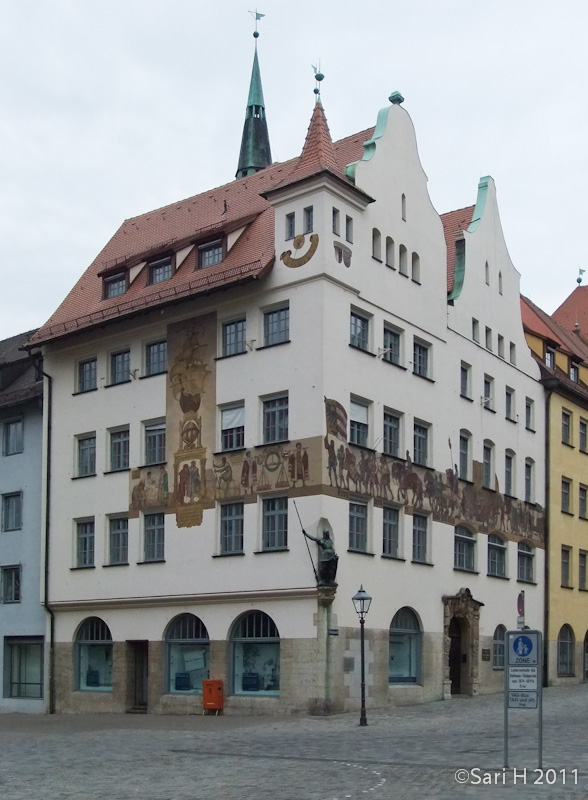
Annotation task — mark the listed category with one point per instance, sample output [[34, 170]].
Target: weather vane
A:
[[318, 76], [579, 278], [256, 16]]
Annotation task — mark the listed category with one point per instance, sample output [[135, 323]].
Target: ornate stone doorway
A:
[[461, 629]]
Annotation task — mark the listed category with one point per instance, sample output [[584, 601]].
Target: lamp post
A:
[[362, 601]]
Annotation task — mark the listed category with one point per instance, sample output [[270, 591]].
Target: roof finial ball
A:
[[318, 76], [396, 98], [256, 34]]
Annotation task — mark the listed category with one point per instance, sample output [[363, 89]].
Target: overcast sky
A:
[[110, 108]]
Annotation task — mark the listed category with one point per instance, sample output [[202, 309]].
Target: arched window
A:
[[94, 656], [500, 282], [376, 244], [256, 655], [464, 549], [525, 562], [487, 273], [187, 654], [405, 648], [403, 260], [566, 644], [496, 556], [403, 206], [389, 252], [498, 647], [416, 268]]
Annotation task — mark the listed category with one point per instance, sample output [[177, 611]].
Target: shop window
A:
[[93, 648], [187, 654], [256, 655], [25, 665], [405, 648]]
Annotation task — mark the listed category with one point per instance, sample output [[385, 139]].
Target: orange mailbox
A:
[[212, 692]]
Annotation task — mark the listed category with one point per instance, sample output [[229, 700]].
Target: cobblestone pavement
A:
[[404, 753]]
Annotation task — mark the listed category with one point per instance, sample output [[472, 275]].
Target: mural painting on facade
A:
[[149, 488], [247, 472], [298, 243], [364, 472]]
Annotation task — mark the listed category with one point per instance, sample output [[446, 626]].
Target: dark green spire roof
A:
[[255, 147]]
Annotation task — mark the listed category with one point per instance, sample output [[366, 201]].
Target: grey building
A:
[[22, 616]]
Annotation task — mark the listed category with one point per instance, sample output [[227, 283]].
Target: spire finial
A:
[[256, 16], [318, 76], [579, 278]]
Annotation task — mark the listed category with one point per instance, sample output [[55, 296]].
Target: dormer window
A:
[[161, 269], [550, 358], [115, 285], [210, 254], [574, 371]]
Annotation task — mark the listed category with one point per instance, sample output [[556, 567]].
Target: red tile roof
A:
[[536, 321], [454, 222], [574, 309]]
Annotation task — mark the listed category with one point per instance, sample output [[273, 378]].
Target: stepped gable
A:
[[453, 223], [195, 219]]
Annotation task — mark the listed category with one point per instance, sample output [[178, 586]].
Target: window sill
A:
[[393, 558], [379, 260], [363, 447], [488, 489], [491, 410], [420, 464], [362, 350], [152, 561], [404, 274], [232, 450], [568, 444], [567, 513], [85, 391], [81, 477], [422, 563], [465, 397], [566, 586], [390, 266], [269, 444], [583, 589], [414, 280], [466, 480], [529, 583], [274, 344], [531, 430], [530, 503], [360, 552], [463, 569], [118, 383], [271, 550], [152, 375], [155, 464], [511, 496], [114, 471], [510, 419], [424, 377], [88, 566], [232, 355], [227, 555], [393, 363], [117, 564], [500, 577]]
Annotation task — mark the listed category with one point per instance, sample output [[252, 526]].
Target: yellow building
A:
[[563, 358]]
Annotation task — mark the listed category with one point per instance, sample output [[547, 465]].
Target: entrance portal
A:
[[461, 627], [138, 672], [455, 656]]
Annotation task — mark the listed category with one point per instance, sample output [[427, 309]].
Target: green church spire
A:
[[255, 147]]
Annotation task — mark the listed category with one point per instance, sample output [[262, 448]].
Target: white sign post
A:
[[523, 679]]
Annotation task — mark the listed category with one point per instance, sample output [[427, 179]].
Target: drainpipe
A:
[[549, 385]]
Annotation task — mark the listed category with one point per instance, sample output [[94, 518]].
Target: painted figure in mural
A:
[[384, 471], [162, 487], [224, 474], [249, 473], [183, 479], [193, 488], [151, 490], [328, 558], [332, 465], [298, 465], [138, 495], [341, 465]]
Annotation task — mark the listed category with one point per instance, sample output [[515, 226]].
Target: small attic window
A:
[[574, 371], [210, 254], [160, 269], [114, 285]]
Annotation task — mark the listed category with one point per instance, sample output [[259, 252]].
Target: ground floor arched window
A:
[[187, 654], [256, 655], [93, 647], [566, 644], [405, 648]]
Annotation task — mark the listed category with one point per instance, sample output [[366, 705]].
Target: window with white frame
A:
[[403, 260], [376, 244], [391, 345], [405, 645], [464, 549], [336, 221], [10, 579], [290, 225], [416, 268], [566, 427], [359, 331], [86, 446], [231, 527], [421, 444], [187, 654], [233, 427], [566, 495], [497, 550], [488, 338], [525, 563], [276, 326], [501, 346], [566, 566], [154, 537], [275, 523], [115, 285], [509, 473], [94, 656], [529, 480], [12, 511], [210, 254], [25, 659], [421, 359], [120, 367], [118, 540], [85, 543], [582, 426], [465, 373], [275, 419], [391, 532], [391, 441], [390, 252], [233, 337], [358, 423], [549, 357], [529, 414], [358, 515], [119, 449], [256, 655], [464, 454], [475, 330], [87, 375], [419, 538], [160, 269], [566, 645], [574, 371], [498, 648], [488, 398], [349, 229], [308, 220], [509, 398], [582, 570], [155, 442], [582, 505], [13, 437], [488, 464], [156, 357]]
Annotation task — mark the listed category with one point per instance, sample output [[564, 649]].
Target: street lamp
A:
[[362, 601]]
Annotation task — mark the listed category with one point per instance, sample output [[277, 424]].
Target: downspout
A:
[[546, 531]]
